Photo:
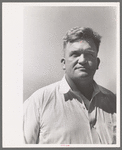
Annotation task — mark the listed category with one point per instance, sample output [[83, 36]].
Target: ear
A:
[[98, 62], [63, 62]]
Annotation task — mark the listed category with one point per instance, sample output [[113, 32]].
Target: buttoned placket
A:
[[91, 116], [80, 98]]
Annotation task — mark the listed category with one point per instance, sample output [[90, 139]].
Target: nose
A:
[[82, 59]]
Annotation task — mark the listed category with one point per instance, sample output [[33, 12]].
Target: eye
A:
[[75, 54], [90, 55]]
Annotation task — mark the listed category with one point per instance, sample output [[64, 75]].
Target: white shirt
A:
[[56, 115]]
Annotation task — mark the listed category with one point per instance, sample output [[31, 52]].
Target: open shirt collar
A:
[[65, 88]]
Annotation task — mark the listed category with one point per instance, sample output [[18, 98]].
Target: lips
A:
[[81, 68]]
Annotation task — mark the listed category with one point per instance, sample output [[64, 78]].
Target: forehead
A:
[[87, 44]]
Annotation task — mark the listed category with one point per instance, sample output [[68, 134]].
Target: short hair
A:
[[78, 33]]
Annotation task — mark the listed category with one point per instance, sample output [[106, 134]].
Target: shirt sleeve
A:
[[114, 128], [31, 125]]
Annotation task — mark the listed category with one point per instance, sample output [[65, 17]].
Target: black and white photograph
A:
[[66, 72]]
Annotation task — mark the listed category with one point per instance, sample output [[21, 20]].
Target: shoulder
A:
[[108, 100], [41, 95], [46, 91], [106, 91]]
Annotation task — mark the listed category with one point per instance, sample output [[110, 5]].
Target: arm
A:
[[114, 128], [31, 121]]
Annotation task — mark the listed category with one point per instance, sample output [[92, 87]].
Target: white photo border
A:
[[12, 106]]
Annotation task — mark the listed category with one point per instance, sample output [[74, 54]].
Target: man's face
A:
[[80, 61]]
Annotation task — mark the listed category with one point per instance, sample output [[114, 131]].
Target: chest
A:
[[69, 122]]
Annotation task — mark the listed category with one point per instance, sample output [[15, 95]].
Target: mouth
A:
[[81, 68]]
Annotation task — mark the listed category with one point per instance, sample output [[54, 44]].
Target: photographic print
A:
[[69, 73]]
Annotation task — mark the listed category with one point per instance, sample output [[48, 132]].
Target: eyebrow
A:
[[86, 51], [91, 51]]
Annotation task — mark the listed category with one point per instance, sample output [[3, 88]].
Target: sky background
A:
[[43, 30]]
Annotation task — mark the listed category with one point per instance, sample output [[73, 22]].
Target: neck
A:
[[85, 88]]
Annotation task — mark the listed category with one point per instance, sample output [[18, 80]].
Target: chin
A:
[[83, 75]]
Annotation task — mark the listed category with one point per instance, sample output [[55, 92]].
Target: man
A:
[[75, 110]]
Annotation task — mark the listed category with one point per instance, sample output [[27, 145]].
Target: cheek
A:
[[92, 64], [71, 62]]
